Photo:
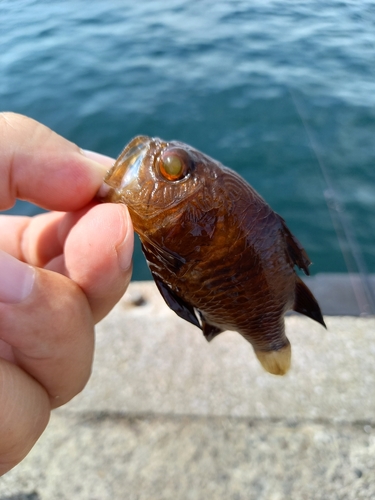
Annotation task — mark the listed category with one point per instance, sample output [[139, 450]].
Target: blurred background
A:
[[281, 91]]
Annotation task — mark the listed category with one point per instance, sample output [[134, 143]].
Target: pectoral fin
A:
[[305, 303]]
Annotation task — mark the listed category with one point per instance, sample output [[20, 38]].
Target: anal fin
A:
[[305, 303]]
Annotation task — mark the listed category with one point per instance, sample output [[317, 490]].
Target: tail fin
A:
[[305, 303], [276, 362]]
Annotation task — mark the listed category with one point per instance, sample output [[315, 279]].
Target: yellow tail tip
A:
[[276, 362]]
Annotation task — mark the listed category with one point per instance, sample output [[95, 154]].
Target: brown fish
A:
[[220, 256]]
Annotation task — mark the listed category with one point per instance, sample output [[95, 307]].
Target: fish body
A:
[[220, 256]]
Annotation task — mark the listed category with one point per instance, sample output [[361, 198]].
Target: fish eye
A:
[[173, 164]]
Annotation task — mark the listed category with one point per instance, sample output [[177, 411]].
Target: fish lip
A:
[[133, 164], [126, 168]]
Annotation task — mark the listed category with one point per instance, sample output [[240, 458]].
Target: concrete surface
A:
[[344, 294], [168, 416]]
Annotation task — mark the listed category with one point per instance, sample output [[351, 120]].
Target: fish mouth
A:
[[126, 168]]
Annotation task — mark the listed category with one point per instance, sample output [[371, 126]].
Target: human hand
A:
[[60, 273]]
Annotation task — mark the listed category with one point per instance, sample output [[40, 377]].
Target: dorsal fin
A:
[[305, 302], [295, 250]]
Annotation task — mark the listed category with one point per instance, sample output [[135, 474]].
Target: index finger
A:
[[40, 166]]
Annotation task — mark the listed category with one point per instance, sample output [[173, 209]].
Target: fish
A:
[[221, 258]]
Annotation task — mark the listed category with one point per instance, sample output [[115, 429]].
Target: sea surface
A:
[[281, 91]]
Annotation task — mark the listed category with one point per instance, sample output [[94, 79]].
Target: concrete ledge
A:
[[168, 416], [344, 294]]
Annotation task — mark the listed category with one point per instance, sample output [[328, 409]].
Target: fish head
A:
[[154, 178]]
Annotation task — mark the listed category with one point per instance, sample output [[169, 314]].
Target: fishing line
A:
[[348, 243]]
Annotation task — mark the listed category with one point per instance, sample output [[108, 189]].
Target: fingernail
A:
[[101, 164], [125, 248], [16, 279], [104, 161]]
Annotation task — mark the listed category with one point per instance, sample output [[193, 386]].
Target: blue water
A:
[[281, 91]]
